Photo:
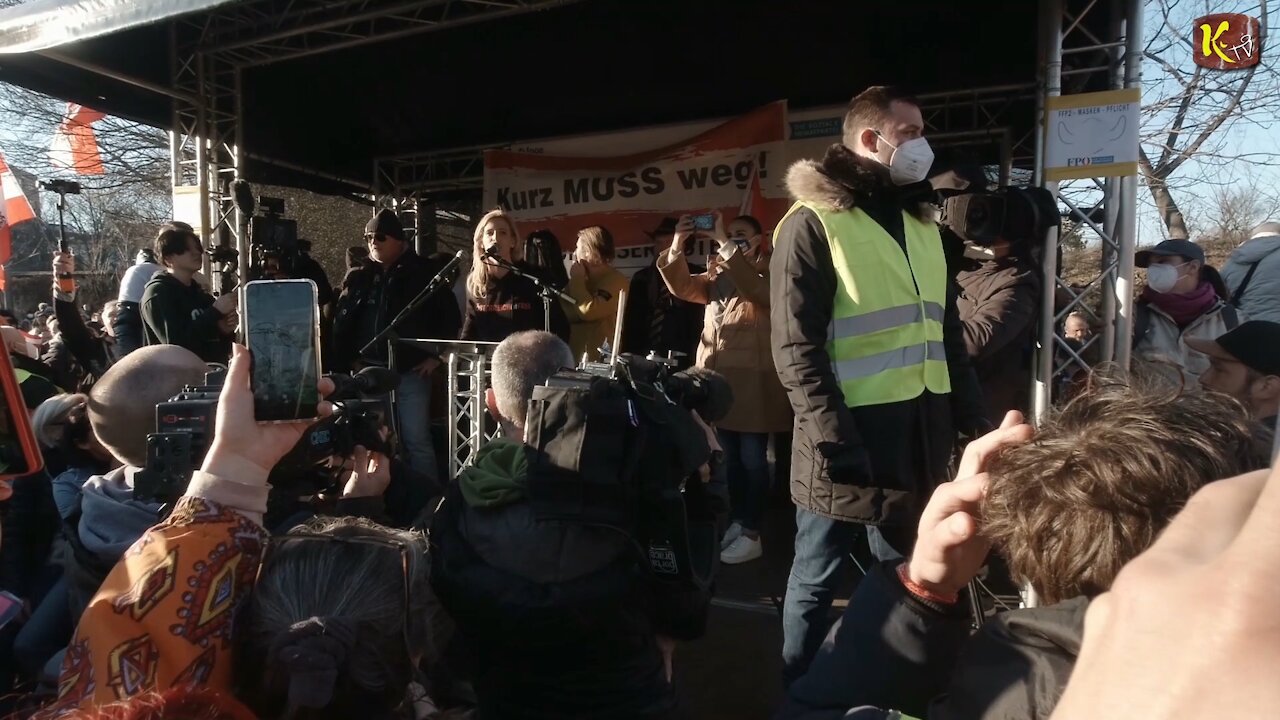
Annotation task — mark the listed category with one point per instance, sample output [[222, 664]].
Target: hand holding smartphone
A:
[[282, 331]]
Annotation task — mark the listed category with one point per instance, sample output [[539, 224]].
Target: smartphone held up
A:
[[282, 332]]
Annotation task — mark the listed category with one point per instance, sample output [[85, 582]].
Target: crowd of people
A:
[[879, 365]]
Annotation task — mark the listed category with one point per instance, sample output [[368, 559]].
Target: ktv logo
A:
[[1227, 41]]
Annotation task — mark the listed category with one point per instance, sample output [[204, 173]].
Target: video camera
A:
[[185, 428], [273, 238], [616, 445], [1012, 214]]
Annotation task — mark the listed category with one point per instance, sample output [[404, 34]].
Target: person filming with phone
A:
[[735, 343], [176, 310]]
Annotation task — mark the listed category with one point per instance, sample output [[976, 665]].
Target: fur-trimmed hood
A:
[[843, 181]]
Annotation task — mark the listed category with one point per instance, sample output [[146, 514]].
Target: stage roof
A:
[[541, 70]]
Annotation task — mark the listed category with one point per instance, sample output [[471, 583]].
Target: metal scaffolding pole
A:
[[1128, 194], [1051, 86]]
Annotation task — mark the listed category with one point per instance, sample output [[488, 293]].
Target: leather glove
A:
[[849, 465]]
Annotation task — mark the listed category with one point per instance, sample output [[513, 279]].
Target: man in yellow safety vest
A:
[[871, 351]]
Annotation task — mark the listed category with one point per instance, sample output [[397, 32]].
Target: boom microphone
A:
[[242, 196], [704, 391]]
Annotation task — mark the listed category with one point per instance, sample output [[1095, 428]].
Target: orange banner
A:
[[736, 168]]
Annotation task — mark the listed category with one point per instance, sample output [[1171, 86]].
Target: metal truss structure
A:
[[1101, 208], [210, 53]]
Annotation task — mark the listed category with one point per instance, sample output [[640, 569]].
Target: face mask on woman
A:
[[1162, 278]]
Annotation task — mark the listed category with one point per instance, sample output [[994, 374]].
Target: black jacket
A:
[[999, 304], [681, 325], [892, 650], [510, 305], [438, 318], [177, 314], [92, 352], [560, 615], [874, 464]]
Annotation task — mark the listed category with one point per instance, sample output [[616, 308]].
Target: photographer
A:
[[372, 297], [999, 303], [333, 624], [565, 618], [176, 310]]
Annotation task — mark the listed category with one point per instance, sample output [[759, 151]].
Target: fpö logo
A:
[[1227, 41]]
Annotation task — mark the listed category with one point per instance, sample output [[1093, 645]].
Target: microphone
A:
[[242, 196], [369, 381], [492, 251], [450, 269]]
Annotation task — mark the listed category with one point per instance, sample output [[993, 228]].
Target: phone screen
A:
[[282, 329], [704, 222]]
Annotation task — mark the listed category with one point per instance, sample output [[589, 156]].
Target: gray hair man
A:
[[519, 364], [567, 621]]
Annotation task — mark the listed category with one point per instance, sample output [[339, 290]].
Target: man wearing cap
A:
[[655, 320], [1252, 273], [1184, 299], [372, 296], [1245, 364]]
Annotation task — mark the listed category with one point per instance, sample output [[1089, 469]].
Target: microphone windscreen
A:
[[707, 392], [242, 195], [375, 380]]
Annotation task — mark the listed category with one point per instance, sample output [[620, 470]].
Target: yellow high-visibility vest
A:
[[885, 338]]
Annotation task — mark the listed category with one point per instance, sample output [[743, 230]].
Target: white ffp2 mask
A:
[[910, 161]]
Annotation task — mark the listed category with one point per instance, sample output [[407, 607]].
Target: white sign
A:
[[1092, 135]]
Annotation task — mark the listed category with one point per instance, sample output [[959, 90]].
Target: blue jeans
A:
[[822, 557], [413, 403], [746, 457]]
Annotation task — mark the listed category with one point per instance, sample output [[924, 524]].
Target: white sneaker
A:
[[733, 533], [744, 549]]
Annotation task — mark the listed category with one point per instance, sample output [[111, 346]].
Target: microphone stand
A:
[[433, 286], [547, 292]]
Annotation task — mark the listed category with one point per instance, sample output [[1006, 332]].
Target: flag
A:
[[74, 145], [14, 209]]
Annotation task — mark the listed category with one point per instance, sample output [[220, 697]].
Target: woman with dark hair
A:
[[1184, 298], [735, 343], [542, 250]]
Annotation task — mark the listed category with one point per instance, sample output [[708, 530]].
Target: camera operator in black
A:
[[372, 297], [565, 618], [176, 310]]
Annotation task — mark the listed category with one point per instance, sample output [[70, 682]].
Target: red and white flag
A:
[[14, 209], [74, 145]]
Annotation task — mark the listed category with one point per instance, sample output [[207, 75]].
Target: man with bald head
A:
[[1252, 273], [122, 407]]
